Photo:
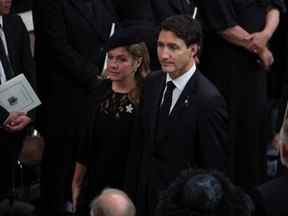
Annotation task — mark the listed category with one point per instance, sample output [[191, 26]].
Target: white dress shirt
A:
[[180, 83], [3, 38]]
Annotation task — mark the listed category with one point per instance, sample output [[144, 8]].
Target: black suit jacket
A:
[[19, 50], [20, 56], [69, 55], [195, 136], [165, 8]]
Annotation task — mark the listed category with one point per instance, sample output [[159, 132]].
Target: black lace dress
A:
[[105, 143]]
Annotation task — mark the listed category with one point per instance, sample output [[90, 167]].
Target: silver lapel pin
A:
[[186, 101]]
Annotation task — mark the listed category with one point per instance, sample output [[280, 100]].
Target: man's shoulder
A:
[[205, 86], [209, 96]]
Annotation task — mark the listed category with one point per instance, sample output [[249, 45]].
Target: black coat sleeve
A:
[[27, 61], [28, 64]]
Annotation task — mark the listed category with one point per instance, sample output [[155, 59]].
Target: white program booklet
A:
[[17, 95]]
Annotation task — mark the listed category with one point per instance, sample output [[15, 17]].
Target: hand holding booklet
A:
[[17, 95]]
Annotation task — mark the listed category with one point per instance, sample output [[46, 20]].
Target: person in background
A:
[[105, 145], [236, 59], [69, 54], [15, 58], [112, 202], [202, 192]]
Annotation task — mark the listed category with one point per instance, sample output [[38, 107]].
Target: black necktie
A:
[[4, 58], [167, 101], [163, 117]]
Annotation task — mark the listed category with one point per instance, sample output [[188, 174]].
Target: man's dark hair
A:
[[184, 27], [203, 193]]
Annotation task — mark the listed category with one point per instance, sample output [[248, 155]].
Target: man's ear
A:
[[194, 49]]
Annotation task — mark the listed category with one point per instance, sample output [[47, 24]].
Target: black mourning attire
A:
[[194, 136], [4, 60], [18, 61], [240, 78], [106, 141], [72, 34]]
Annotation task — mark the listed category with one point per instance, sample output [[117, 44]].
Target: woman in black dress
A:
[[236, 59], [104, 148]]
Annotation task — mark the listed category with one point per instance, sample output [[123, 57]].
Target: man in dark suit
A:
[[183, 118], [15, 58], [69, 56]]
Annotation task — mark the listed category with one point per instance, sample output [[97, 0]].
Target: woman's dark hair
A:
[[139, 51], [203, 193]]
